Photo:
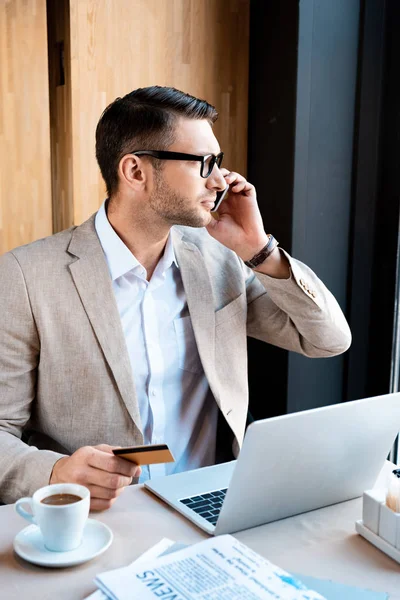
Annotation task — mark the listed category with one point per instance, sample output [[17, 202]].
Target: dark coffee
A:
[[60, 499]]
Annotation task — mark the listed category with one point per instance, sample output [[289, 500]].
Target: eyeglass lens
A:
[[209, 162]]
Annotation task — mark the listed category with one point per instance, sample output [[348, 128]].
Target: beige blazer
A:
[[64, 366]]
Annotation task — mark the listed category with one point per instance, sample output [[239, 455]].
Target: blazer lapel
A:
[[93, 282], [198, 294]]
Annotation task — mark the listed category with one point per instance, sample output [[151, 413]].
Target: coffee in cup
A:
[[60, 499], [60, 510]]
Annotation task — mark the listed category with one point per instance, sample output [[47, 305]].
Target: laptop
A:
[[288, 465]]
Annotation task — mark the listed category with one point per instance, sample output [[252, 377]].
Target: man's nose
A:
[[216, 180]]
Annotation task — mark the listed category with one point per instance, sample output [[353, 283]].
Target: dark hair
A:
[[144, 119]]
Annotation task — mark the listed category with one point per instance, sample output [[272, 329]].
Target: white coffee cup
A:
[[62, 524]]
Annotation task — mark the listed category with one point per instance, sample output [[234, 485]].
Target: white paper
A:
[[219, 568], [156, 550]]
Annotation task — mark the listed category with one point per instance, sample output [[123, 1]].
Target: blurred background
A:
[[308, 95]]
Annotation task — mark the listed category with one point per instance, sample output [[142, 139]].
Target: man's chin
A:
[[200, 218], [206, 218]]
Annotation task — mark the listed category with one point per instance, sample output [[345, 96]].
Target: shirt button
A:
[[153, 393]]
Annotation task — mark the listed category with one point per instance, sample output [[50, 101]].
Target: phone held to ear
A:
[[148, 454], [220, 197]]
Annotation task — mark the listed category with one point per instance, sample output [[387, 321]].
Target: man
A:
[[131, 328]]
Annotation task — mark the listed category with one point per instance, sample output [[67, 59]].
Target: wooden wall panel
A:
[[25, 187], [199, 46], [60, 113]]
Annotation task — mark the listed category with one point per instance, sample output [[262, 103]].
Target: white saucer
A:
[[28, 544]]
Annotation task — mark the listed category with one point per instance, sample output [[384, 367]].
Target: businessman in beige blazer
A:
[[131, 328]]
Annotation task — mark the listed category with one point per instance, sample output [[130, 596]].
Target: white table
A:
[[322, 543]]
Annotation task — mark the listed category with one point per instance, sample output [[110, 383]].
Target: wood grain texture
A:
[[25, 187], [198, 46]]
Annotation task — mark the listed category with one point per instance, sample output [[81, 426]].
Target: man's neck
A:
[[145, 241]]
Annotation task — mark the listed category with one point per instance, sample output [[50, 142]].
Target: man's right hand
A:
[[97, 468]]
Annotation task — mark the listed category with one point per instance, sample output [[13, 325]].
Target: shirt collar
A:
[[119, 258]]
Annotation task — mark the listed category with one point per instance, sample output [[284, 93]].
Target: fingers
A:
[[98, 504], [106, 461], [238, 184], [103, 498], [107, 487], [105, 479], [102, 493]]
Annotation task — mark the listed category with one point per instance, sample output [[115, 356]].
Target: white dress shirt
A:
[[175, 402]]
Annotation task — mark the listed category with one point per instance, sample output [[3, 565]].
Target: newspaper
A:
[[219, 568], [158, 549]]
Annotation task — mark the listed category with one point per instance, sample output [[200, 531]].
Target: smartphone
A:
[[148, 454], [220, 197]]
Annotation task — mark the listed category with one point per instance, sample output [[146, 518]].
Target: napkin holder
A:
[[379, 524]]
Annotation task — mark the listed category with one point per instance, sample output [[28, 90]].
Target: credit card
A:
[[148, 454]]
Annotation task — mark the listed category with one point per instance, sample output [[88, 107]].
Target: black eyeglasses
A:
[[207, 162]]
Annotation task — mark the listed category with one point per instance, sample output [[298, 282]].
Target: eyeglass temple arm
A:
[[169, 155]]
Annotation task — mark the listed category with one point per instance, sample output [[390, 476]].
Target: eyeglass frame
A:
[[167, 155]]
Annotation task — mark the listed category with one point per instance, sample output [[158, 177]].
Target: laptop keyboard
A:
[[206, 505]]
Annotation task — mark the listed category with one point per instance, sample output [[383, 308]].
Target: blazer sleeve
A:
[[298, 314], [23, 468]]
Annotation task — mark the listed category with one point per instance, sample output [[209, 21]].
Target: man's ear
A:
[[133, 171]]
